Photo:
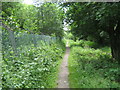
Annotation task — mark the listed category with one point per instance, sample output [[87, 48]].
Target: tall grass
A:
[[93, 68]]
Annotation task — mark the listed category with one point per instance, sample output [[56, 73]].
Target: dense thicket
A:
[[98, 22]]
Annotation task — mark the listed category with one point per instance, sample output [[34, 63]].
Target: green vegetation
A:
[[95, 46], [43, 19], [33, 68], [83, 43], [93, 68], [32, 47], [96, 22]]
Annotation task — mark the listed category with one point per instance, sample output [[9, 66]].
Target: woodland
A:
[[34, 38]]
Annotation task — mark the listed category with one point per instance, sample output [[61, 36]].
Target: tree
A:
[[93, 19], [51, 19], [46, 19]]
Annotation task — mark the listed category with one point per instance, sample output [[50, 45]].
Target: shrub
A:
[[84, 43]]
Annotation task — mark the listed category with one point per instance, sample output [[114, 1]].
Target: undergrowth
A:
[[93, 68], [83, 43], [32, 67]]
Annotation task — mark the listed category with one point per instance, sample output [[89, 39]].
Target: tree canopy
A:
[[45, 19], [96, 21]]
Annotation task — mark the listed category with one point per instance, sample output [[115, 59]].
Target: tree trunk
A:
[[115, 45]]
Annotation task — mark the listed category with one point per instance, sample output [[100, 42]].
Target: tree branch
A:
[[7, 27]]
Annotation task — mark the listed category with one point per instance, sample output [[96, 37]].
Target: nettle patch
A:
[[31, 68]]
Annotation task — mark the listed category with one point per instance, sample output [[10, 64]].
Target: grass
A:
[[93, 68]]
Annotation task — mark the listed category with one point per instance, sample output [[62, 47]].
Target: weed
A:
[[92, 68]]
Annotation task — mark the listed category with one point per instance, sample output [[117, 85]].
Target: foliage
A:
[[90, 68], [46, 19], [51, 16], [34, 67], [95, 21], [31, 65], [83, 43]]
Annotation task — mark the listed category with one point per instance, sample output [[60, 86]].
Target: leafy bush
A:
[[90, 68], [33, 67], [84, 43]]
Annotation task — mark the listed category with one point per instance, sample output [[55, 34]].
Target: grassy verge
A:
[[93, 68]]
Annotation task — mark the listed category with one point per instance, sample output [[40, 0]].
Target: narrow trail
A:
[[63, 72]]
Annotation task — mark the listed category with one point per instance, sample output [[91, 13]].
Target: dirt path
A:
[[63, 73]]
